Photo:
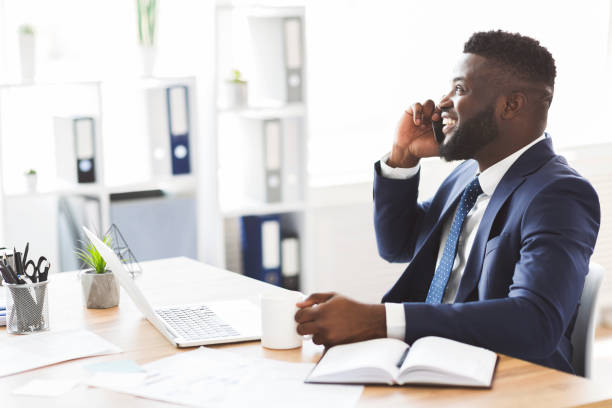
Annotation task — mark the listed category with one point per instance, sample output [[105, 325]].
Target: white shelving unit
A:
[[251, 39], [26, 141], [247, 37], [122, 150]]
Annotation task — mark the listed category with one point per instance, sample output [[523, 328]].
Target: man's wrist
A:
[[401, 157], [377, 316]]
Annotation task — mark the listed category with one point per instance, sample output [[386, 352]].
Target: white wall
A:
[[369, 60]]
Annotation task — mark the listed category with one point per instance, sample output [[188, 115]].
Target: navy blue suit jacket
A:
[[524, 275]]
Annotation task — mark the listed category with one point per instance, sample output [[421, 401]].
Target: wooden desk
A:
[[180, 280]]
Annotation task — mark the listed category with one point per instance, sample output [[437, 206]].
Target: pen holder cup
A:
[[27, 307]]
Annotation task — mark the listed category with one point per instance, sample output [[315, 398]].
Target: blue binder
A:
[[177, 98], [260, 239]]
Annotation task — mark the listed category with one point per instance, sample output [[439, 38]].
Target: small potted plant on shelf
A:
[[100, 289], [31, 179], [147, 24], [237, 90], [27, 45]]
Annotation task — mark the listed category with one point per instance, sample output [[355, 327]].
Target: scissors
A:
[[38, 274]]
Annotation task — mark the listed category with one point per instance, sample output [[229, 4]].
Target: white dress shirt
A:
[[489, 179]]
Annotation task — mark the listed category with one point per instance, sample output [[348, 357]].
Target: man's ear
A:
[[513, 104]]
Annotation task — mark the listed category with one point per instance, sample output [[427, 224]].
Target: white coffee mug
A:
[[278, 325]]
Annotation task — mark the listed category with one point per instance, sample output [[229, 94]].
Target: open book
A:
[[430, 360]]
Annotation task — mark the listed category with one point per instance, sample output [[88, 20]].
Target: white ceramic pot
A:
[[148, 55], [31, 182], [237, 94], [26, 56], [100, 290]]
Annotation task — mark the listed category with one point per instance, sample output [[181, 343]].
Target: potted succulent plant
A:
[[147, 22], [31, 179], [100, 289], [237, 90], [27, 52]]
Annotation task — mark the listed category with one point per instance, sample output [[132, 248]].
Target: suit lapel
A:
[[529, 162], [473, 266]]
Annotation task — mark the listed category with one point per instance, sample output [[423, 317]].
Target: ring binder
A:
[[169, 129], [75, 148], [292, 28], [261, 248]]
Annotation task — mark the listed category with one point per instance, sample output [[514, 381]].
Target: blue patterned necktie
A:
[[440, 279]]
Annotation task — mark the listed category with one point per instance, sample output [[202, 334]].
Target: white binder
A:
[[290, 264], [290, 249], [292, 28], [270, 244], [291, 179], [272, 159], [263, 170]]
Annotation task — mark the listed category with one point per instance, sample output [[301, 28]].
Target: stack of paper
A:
[[213, 378], [22, 353], [2, 308]]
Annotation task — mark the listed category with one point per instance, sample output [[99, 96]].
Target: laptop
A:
[[188, 325]]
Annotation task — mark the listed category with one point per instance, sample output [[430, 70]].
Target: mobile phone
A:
[[437, 129]]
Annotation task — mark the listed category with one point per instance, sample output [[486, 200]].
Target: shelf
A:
[[256, 208], [57, 189], [263, 9], [176, 185], [140, 81], [15, 85], [265, 112]]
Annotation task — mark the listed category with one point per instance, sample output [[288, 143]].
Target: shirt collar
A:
[[490, 178]]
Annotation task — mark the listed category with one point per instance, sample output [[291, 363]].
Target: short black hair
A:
[[523, 56]]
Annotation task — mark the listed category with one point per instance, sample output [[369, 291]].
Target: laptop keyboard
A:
[[196, 323]]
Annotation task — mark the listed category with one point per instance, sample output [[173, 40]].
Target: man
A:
[[499, 255]]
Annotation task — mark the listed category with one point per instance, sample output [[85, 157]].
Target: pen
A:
[[15, 276], [5, 272], [8, 278], [17, 259], [25, 253]]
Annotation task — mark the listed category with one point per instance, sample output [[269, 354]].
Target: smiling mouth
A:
[[449, 125]]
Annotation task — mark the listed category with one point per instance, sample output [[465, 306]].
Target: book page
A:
[[437, 360], [371, 361]]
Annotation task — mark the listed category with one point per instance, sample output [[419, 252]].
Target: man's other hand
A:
[[334, 319]]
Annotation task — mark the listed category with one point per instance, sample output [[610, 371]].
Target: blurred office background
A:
[[153, 131]]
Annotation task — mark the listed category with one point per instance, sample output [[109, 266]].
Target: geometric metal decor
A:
[[123, 251]]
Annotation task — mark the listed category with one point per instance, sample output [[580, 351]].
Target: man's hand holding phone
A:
[[414, 136]]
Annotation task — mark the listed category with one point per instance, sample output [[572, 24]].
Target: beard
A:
[[470, 137]]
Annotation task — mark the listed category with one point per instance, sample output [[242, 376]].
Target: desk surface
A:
[[516, 382]]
